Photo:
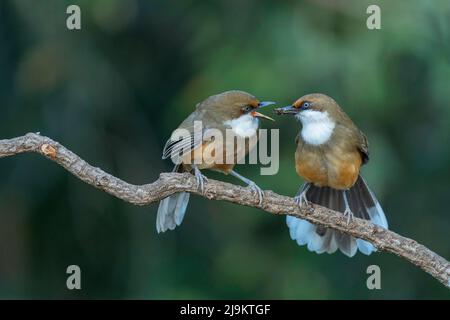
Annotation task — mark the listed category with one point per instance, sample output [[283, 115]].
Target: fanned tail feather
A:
[[363, 204]]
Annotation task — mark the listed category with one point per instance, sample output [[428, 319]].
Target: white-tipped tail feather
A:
[[171, 211], [363, 204]]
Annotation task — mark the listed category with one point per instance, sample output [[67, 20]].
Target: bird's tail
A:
[[171, 210], [362, 203]]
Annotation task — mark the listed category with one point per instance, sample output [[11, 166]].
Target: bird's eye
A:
[[305, 105], [247, 109]]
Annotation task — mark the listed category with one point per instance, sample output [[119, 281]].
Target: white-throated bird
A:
[[330, 152], [233, 110]]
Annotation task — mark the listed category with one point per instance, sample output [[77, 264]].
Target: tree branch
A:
[[169, 183]]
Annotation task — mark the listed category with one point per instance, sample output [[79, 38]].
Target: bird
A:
[[232, 111], [330, 153]]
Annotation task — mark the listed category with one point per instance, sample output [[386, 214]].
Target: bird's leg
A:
[[348, 212], [251, 184], [200, 178], [301, 198]]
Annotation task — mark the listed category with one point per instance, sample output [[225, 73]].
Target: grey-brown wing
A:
[[185, 138], [363, 147], [182, 141], [297, 138], [190, 134]]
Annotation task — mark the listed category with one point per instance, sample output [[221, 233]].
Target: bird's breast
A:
[[224, 148], [333, 166]]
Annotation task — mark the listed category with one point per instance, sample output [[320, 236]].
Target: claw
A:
[[250, 184], [200, 179], [301, 199], [258, 191], [349, 214]]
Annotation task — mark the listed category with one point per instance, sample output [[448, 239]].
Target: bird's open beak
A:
[[265, 104], [286, 110], [260, 115]]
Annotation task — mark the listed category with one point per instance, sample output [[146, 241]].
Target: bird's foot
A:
[[251, 185], [257, 190], [200, 179], [349, 214], [301, 199]]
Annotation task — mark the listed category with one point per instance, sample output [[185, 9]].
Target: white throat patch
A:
[[317, 126], [244, 126]]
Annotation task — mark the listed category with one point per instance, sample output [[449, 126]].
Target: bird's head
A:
[[314, 107], [235, 104]]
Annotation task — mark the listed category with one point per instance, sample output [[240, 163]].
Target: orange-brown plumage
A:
[[329, 155], [335, 162], [334, 167], [206, 140], [213, 112]]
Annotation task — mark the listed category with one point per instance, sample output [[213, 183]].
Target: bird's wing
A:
[[363, 147], [183, 139], [358, 137], [297, 138], [182, 144], [191, 137]]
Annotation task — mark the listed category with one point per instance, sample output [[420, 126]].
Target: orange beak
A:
[[260, 115]]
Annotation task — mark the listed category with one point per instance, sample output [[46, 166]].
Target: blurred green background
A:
[[115, 90]]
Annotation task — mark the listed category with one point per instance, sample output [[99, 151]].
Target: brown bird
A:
[[204, 146], [330, 152]]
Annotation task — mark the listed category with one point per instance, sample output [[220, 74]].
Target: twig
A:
[[169, 183]]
